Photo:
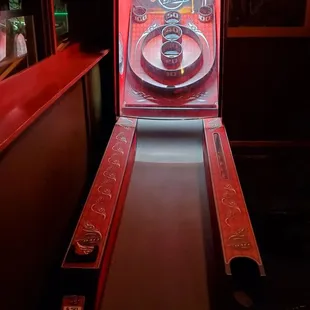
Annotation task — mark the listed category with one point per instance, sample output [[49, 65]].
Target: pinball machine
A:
[[165, 224]]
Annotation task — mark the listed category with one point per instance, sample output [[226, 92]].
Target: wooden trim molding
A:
[[11, 14], [236, 232], [90, 237], [268, 32], [270, 144], [51, 25]]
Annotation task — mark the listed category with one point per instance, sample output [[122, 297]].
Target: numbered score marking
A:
[[73, 303]]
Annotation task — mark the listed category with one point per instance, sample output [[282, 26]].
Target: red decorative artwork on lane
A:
[[115, 224], [89, 240], [237, 235]]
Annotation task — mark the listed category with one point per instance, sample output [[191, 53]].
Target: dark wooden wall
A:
[[266, 88], [42, 177]]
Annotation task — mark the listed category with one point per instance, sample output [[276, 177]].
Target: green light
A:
[[61, 14]]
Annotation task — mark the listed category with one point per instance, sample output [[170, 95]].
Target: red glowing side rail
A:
[[90, 237], [237, 235]]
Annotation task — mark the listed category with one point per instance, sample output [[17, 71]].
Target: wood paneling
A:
[[42, 175], [266, 89]]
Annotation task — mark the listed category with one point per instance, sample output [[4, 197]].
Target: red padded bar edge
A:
[[95, 222], [237, 235], [26, 95]]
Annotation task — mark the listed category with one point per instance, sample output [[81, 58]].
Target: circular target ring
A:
[[172, 33], [171, 54], [205, 14], [139, 14], [172, 17], [170, 74]]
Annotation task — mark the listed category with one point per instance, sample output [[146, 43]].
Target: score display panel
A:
[[168, 56]]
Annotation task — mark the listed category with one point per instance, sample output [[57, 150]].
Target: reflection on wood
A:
[[11, 65], [63, 46], [270, 13]]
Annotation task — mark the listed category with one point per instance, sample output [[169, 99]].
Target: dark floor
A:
[[276, 188]]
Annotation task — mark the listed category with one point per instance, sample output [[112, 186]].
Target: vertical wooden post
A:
[[31, 41], [51, 24], [307, 17]]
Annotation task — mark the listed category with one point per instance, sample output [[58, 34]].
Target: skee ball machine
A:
[[168, 58], [165, 225]]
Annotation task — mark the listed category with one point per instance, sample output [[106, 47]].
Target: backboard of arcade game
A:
[[168, 57]]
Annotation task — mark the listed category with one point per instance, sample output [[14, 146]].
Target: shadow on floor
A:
[[277, 188]]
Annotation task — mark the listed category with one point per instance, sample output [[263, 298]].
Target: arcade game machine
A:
[[165, 225]]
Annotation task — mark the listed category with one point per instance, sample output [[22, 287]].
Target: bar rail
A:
[[26, 95]]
